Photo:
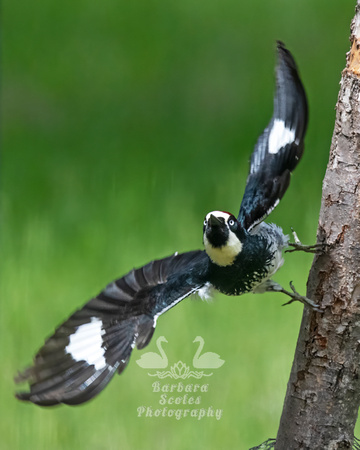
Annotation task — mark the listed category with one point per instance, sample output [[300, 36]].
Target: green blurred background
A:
[[124, 123]]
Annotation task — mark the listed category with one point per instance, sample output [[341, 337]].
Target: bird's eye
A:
[[205, 222], [231, 222]]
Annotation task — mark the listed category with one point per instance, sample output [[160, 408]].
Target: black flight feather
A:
[[72, 368], [279, 148], [81, 357]]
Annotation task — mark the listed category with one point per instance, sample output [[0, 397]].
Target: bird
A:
[[152, 360], [207, 360], [240, 255]]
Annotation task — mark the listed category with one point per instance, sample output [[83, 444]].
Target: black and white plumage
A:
[[240, 256], [279, 148]]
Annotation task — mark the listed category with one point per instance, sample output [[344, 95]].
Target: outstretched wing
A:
[[279, 148], [83, 354]]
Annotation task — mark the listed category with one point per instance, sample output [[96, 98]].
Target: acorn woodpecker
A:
[[241, 255]]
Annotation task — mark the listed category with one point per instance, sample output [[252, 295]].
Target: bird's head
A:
[[222, 237]]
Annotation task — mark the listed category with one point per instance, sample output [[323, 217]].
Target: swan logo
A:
[[180, 370], [180, 399]]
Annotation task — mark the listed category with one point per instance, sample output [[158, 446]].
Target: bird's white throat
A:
[[225, 255]]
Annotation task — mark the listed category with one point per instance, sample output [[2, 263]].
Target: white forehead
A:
[[222, 214]]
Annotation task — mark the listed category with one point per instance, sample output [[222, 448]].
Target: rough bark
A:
[[323, 393]]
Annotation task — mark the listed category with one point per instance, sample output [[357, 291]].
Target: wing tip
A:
[[29, 397], [285, 56], [287, 74], [23, 396]]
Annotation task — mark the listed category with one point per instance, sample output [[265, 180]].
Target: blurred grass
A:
[[124, 124]]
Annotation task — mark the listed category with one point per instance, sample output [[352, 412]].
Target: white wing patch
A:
[[86, 344], [280, 136]]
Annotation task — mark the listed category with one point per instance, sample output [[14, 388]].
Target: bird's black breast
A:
[[249, 269]]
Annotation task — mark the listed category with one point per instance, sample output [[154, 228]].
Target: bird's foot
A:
[[298, 246], [316, 248], [295, 296]]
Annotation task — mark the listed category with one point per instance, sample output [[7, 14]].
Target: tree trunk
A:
[[323, 393]]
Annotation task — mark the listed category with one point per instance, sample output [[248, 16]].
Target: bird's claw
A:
[[295, 296], [316, 248], [273, 286], [298, 246]]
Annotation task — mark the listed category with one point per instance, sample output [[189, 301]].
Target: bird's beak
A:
[[214, 221]]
